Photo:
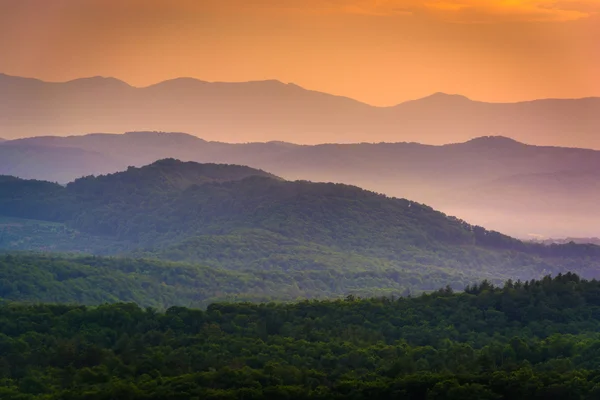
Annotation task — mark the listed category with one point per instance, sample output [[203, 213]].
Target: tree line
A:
[[533, 339]]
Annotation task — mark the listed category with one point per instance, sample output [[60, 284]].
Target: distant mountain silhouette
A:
[[493, 181], [272, 110], [495, 142], [594, 241], [60, 164], [438, 99]]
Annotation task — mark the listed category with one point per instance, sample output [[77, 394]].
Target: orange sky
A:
[[378, 51]]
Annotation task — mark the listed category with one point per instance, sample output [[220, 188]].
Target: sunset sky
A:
[[378, 51]]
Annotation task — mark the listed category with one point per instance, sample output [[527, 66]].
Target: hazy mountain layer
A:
[[272, 110], [491, 181]]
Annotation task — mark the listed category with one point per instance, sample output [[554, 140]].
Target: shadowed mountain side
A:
[[243, 219], [272, 110]]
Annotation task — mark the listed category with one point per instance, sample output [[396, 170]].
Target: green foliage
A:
[[326, 239], [26, 234], [149, 282], [96, 280], [521, 340]]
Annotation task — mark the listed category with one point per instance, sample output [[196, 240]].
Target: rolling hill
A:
[[492, 181], [272, 110], [323, 239]]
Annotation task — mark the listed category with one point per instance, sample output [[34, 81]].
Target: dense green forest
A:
[[521, 340], [327, 239], [95, 280]]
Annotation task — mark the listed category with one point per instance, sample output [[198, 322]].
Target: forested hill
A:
[[169, 175], [534, 340], [171, 200], [239, 219]]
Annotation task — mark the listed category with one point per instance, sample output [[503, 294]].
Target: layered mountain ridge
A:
[[272, 110], [491, 181]]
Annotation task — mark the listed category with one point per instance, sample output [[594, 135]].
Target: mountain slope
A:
[[272, 110], [241, 197], [239, 219], [52, 278]]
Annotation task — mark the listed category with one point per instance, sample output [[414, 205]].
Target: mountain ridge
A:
[[428, 174], [188, 79], [272, 110]]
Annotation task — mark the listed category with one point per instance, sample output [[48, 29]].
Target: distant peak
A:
[[269, 81], [183, 82], [445, 96], [156, 133], [18, 79], [164, 135], [495, 141], [440, 98], [98, 80], [184, 79], [277, 142], [194, 81]]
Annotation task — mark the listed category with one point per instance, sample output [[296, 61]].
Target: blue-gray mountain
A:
[[491, 181]]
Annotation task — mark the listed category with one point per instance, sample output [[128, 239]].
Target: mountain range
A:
[[492, 181], [272, 110], [318, 239], [595, 241]]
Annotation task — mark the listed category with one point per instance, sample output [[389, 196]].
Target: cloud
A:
[[513, 10], [466, 11]]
